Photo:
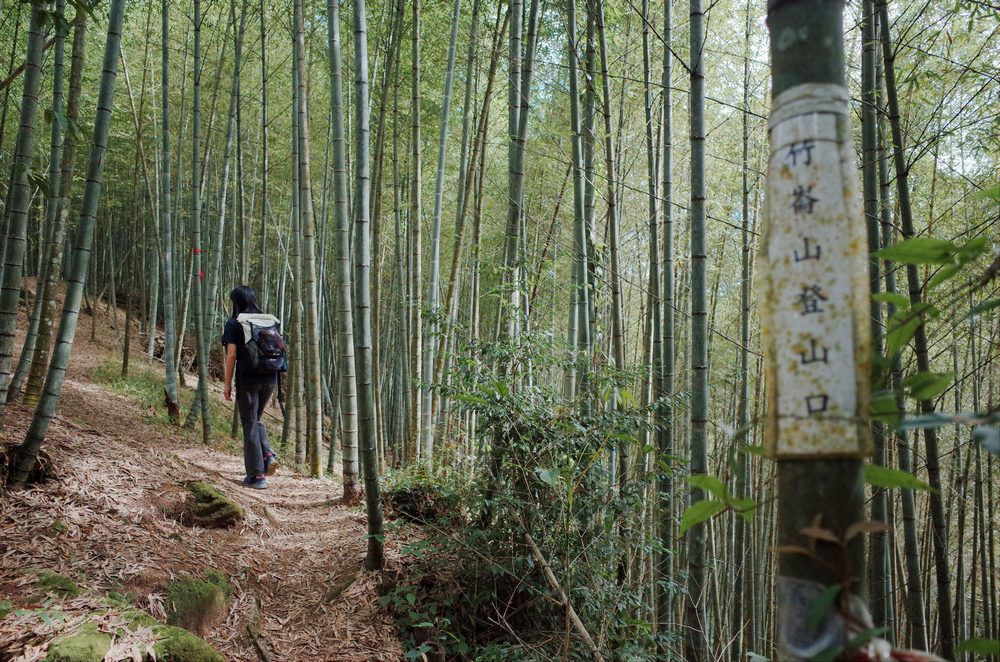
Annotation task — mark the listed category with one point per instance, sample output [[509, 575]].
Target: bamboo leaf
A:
[[989, 194], [920, 250], [41, 182], [84, 6], [699, 512], [972, 249], [943, 274], [79, 135], [883, 408], [52, 116], [710, 484], [831, 654], [898, 300], [886, 477], [417, 653], [465, 397], [548, 476], [901, 327], [932, 420], [746, 508], [984, 307], [927, 385], [987, 436]]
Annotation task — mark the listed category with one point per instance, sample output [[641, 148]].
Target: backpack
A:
[[263, 342]]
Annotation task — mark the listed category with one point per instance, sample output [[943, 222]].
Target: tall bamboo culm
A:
[[27, 452], [367, 437], [20, 197], [166, 230], [342, 266], [49, 249], [946, 628], [694, 621]]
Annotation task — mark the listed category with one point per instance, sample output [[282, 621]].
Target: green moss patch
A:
[[52, 583], [211, 508], [179, 645], [85, 645], [218, 578], [194, 604]]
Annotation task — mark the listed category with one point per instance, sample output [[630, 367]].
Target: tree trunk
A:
[[416, 219], [879, 575], [694, 620], [215, 249], [738, 621], [167, 247], [342, 267], [946, 628], [914, 596], [201, 321], [665, 433], [51, 210], [27, 453], [311, 363], [20, 198], [431, 338], [814, 320], [508, 299], [375, 558]]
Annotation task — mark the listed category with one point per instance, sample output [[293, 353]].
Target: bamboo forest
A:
[[614, 331]]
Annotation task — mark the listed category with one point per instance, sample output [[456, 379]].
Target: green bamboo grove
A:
[[575, 336]]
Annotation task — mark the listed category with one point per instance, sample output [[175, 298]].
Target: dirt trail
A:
[[120, 471]]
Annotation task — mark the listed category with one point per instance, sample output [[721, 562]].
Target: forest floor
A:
[[106, 522]]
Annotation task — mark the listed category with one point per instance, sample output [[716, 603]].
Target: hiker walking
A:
[[255, 351]]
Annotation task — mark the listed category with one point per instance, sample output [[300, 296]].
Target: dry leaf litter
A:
[[105, 524]]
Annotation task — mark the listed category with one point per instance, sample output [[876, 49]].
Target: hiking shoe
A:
[[271, 464], [256, 482]]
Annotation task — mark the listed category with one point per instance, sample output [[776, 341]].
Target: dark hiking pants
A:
[[251, 400]]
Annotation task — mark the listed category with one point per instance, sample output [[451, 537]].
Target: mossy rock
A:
[[52, 583], [194, 604], [85, 645], [213, 509], [179, 645], [217, 577]]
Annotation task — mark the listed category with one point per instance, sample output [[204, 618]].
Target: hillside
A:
[[113, 521]]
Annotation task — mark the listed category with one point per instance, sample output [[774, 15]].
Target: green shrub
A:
[[549, 466], [420, 497]]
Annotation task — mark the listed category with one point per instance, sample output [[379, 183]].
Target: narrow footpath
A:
[[109, 521]]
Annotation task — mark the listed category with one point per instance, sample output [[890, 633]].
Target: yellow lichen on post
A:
[[814, 293]]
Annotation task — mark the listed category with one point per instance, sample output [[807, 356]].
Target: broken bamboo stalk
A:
[[550, 577]]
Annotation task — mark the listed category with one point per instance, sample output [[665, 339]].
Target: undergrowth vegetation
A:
[[566, 484], [144, 386]]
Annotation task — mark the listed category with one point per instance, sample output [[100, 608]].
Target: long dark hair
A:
[[244, 300]]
